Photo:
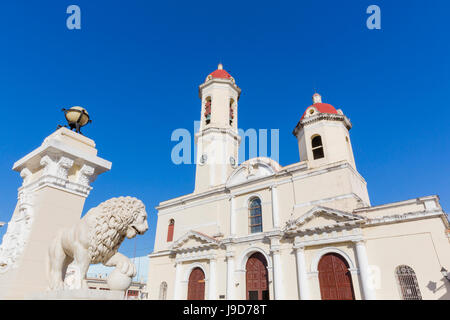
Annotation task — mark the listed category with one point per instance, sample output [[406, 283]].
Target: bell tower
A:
[[323, 135], [217, 140]]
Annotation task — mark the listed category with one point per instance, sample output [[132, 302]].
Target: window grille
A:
[[407, 282]]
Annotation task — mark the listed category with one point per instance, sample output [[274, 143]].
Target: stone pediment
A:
[[253, 169], [194, 240], [323, 219]]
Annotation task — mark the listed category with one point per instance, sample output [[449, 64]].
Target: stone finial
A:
[[317, 98]]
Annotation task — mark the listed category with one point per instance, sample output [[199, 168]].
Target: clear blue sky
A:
[[136, 67]]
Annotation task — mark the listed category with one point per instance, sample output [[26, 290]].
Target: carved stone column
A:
[[275, 214], [212, 291], [178, 281], [277, 271], [232, 216], [302, 277], [56, 181], [364, 270], [230, 275]]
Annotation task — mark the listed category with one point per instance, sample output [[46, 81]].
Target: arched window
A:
[[317, 147], [208, 110], [163, 291], [170, 230], [255, 215], [231, 111], [407, 281]]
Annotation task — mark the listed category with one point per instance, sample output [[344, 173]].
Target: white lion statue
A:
[[96, 239]]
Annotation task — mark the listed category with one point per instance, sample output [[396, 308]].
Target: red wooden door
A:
[[196, 285], [334, 278], [256, 278]]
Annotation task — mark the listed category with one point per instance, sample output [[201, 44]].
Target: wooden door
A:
[[196, 285], [334, 278], [257, 283]]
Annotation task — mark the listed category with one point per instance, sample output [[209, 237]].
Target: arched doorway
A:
[[257, 284], [196, 285], [335, 278]]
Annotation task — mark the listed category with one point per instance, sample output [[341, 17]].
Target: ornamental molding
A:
[[203, 242], [253, 169], [343, 220], [421, 200], [17, 232], [325, 200], [58, 183], [160, 253], [211, 80], [410, 216], [211, 130], [219, 193], [25, 174], [309, 241], [319, 117], [194, 256], [86, 175], [55, 173]]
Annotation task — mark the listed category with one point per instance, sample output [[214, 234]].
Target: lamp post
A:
[[76, 117], [445, 273]]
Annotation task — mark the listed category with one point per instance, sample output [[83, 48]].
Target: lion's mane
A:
[[112, 220]]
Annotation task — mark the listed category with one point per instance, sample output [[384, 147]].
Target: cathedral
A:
[[258, 230]]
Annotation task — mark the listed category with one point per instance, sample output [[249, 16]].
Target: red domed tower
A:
[[323, 135], [218, 139]]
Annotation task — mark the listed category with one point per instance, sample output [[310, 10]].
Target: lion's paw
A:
[[128, 268]]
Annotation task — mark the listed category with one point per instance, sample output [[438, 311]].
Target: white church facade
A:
[[303, 231]]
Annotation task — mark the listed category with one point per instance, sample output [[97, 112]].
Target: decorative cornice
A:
[[303, 237], [86, 175], [418, 200], [211, 130], [223, 192], [410, 216], [350, 221], [206, 256], [211, 80], [325, 200], [58, 183], [205, 242], [321, 116]]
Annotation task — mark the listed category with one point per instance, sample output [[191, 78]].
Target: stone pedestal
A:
[[56, 181], [80, 294]]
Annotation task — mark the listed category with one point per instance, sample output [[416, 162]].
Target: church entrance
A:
[[257, 283], [196, 285], [334, 278]]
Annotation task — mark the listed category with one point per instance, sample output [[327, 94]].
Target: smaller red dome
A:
[[220, 73], [320, 106]]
